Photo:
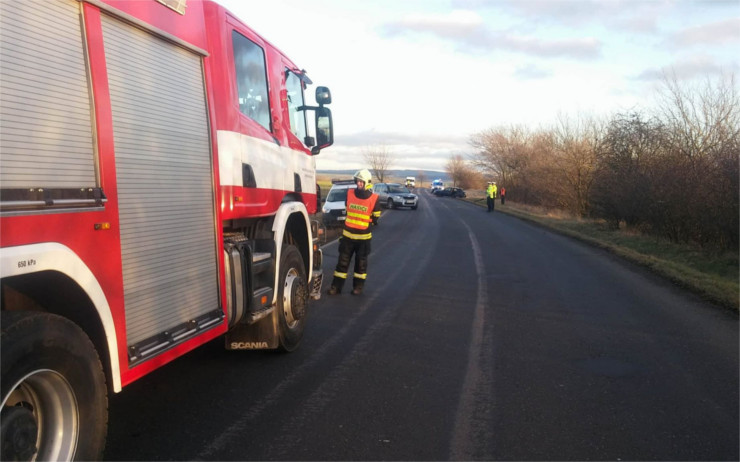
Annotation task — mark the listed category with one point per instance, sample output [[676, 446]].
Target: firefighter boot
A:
[[357, 290], [336, 286]]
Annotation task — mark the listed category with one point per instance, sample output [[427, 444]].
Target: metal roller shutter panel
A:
[[165, 191], [46, 133]]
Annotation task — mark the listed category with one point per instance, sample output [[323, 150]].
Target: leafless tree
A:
[[463, 174], [500, 151], [379, 158], [519, 160], [627, 170], [673, 174], [420, 177], [575, 147], [702, 146], [456, 168], [702, 117]]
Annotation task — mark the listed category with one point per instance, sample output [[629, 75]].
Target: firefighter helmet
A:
[[363, 175]]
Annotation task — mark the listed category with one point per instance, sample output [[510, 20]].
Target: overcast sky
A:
[[420, 76]]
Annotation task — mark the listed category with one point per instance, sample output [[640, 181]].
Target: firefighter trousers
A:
[[347, 247]]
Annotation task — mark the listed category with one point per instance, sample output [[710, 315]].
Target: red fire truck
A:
[[156, 184]]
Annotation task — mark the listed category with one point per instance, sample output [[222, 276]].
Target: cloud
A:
[[407, 149], [458, 23], [709, 34], [390, 139], [645, 24], [467, 31], [531, 72], [567, 12], [622, 15], [689, 68], [585, 48]]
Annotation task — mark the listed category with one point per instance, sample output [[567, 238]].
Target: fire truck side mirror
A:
[[324, 130], [323, 96]]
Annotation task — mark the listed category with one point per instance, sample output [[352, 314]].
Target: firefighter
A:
[[491, 195], [363, 210]]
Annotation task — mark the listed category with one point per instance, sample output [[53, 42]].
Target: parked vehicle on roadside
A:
[[335, 207], [437, 185], [392, 195], [449, 192], [158, 192]]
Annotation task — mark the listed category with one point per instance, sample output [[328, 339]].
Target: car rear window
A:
[[336, 195], [397, 188]]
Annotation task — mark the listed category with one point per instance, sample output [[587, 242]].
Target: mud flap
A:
[[261, 335], [316, 282], [317, 275]]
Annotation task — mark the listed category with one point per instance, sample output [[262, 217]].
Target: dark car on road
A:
[[393, 195], [451, 192]]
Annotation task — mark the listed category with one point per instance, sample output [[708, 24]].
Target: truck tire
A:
[[54, 397], [292, 298]]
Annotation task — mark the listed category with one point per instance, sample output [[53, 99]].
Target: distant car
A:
[[451, 192], [335, 207], [393, 195]]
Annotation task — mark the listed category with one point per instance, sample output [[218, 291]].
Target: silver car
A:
[[392, 195]]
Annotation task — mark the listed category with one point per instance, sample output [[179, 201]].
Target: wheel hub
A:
[[298, 306], [295, 295], [19, 433]]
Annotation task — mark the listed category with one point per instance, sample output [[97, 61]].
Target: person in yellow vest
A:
[[491, 195], [363, 211]]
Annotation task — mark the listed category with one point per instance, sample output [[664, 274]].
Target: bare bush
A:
[[673, 174], [575, 142], [625, 158], [462, 174], [703, 135]]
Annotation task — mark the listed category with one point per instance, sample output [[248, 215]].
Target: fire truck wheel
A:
[[54, 398], [292, 298]]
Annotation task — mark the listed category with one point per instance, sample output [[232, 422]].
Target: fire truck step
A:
[[263, 266], [261, 298], [258, 257]]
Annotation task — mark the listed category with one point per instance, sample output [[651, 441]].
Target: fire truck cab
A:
[[157, 181]]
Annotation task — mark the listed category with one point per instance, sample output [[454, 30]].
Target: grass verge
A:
[[711, 275]]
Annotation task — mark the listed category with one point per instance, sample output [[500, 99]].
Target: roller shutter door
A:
[[45, 112], [165, 191]]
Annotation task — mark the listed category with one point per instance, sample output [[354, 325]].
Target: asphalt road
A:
[[479, 336]]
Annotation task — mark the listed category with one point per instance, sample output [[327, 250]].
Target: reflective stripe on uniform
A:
[[360, 276], [359, 224], [359, 216], [340, 275], [361, 237]]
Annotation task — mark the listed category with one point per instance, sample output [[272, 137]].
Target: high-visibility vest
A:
[[359, 211]]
